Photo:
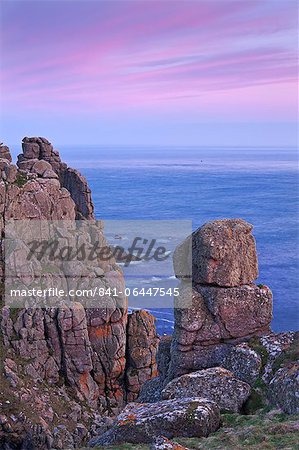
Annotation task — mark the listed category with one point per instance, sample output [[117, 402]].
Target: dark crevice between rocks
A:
[[63, 368]]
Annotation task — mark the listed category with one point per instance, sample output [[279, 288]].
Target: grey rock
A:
[[151, 391], [244, 362], [215, 384], [40, 167], [283, 389], [277, 345], [143, 423]]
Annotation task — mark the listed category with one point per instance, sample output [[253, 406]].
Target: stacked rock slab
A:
[[61, 348], [223, 307]]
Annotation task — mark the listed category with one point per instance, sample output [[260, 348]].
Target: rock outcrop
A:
[[223, 254], [40, 157], [143, 423], [223, 307], [284, 388], [76, 354], [5, 153]]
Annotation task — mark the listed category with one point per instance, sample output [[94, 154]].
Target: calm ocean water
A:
[[259, 185]]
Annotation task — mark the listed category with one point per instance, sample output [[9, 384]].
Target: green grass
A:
[[21, 180], [257, 399], [265, 431]]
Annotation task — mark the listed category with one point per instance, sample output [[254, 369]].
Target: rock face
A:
[[78, 354], [218, 314], [5, 153], [40, 157], [284, 388], [151, 390], [223, 254], [216, 384], [142, 342], [143, 423], [223, 307]]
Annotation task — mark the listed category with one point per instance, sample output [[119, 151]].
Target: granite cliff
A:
[[64, 368], [100, 376]]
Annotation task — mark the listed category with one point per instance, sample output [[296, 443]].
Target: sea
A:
[[199, 184]]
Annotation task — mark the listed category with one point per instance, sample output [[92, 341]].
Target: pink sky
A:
[[145, 62]]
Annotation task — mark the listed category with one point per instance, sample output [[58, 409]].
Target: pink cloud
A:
[[198, 56]]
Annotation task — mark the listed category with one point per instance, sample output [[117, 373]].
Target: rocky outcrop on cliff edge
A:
[[62, 367]]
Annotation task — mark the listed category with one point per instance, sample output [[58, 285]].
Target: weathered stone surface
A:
[[284, 388], [31, 150], [216, 314], [142, 343], [40, 167], [26, 164], [151, 390], [38, 201], [223, 254], [4, 163], [5, 153], [216, 384], [50, 174], [11, 173], [143, 423], [223, 309], [243, 362], [40, 150], [75, 183], [77, 354]]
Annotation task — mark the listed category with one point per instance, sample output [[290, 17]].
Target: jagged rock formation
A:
[[40, 157], [73, 353]]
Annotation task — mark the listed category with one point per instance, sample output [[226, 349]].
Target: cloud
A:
[[93, 57]]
